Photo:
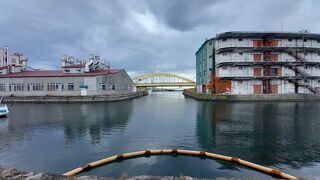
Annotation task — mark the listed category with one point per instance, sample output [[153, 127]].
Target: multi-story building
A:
[[267, 63], [11, 61], [77, 77], [204, 66]]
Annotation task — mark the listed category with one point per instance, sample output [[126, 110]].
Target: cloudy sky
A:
[[140, 35]]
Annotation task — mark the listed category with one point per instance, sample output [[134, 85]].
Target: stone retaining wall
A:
[[254, 97], [103, 98], [10, 173]]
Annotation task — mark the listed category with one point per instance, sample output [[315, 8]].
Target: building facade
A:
[[77, 78], [267, 63], [204, 66], [11, 61]]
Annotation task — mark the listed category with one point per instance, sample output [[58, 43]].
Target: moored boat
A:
[[3, 109]]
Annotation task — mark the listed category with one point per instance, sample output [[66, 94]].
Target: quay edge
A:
[[96, 98], [250, 98], [11, 173]]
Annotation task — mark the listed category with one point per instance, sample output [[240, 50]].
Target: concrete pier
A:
[[100, 98], [248, 98]]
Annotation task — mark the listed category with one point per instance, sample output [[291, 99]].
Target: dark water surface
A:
[[60, 137]]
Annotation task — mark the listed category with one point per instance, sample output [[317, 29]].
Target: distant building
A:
[[204, 66], [77, 77], [265, 63], [11, 61]]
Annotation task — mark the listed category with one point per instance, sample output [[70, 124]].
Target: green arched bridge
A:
[[162, 80]]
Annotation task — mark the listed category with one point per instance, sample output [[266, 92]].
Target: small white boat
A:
[[3, 109]]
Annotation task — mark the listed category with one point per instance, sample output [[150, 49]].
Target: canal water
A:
[[58, 137]]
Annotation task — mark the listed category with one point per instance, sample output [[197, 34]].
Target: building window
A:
[[224, 39], [305, 40], [318, 41], [55, 86], [290, 39], [111, 87], [35, 86], [306, 54], [70, 87], [2, 87], [102, 86], [240, 67], [210, 56], [240, 39], [240, 53], [210, 43], [274, 71], [224, 54], [51, 87], [39, 87], [67, 70], [16, 87]]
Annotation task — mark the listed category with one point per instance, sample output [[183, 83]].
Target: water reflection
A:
[[266, 133], [76, 120], [284, 135]]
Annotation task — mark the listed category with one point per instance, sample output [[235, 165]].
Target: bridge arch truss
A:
[[162, 80]]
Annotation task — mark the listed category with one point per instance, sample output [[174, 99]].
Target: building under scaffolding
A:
[[265, 63]]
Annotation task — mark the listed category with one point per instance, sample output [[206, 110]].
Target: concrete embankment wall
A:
[[255, 97], [11, 173], [102, 98]]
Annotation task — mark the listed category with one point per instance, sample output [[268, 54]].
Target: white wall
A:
[[248, 57], [287, 72], [234, 42], [228, 71], [247, 87], [243, 87], [248, 42], [234, 57], [199, 88], [286, 87]]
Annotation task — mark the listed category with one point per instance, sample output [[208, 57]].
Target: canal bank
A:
[[100, 98], [248, 98], [10, 173]]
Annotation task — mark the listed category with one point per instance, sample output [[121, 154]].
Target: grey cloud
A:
[[140, 35], [184, 15]]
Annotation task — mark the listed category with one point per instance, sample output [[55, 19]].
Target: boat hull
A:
[[3, 110]]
